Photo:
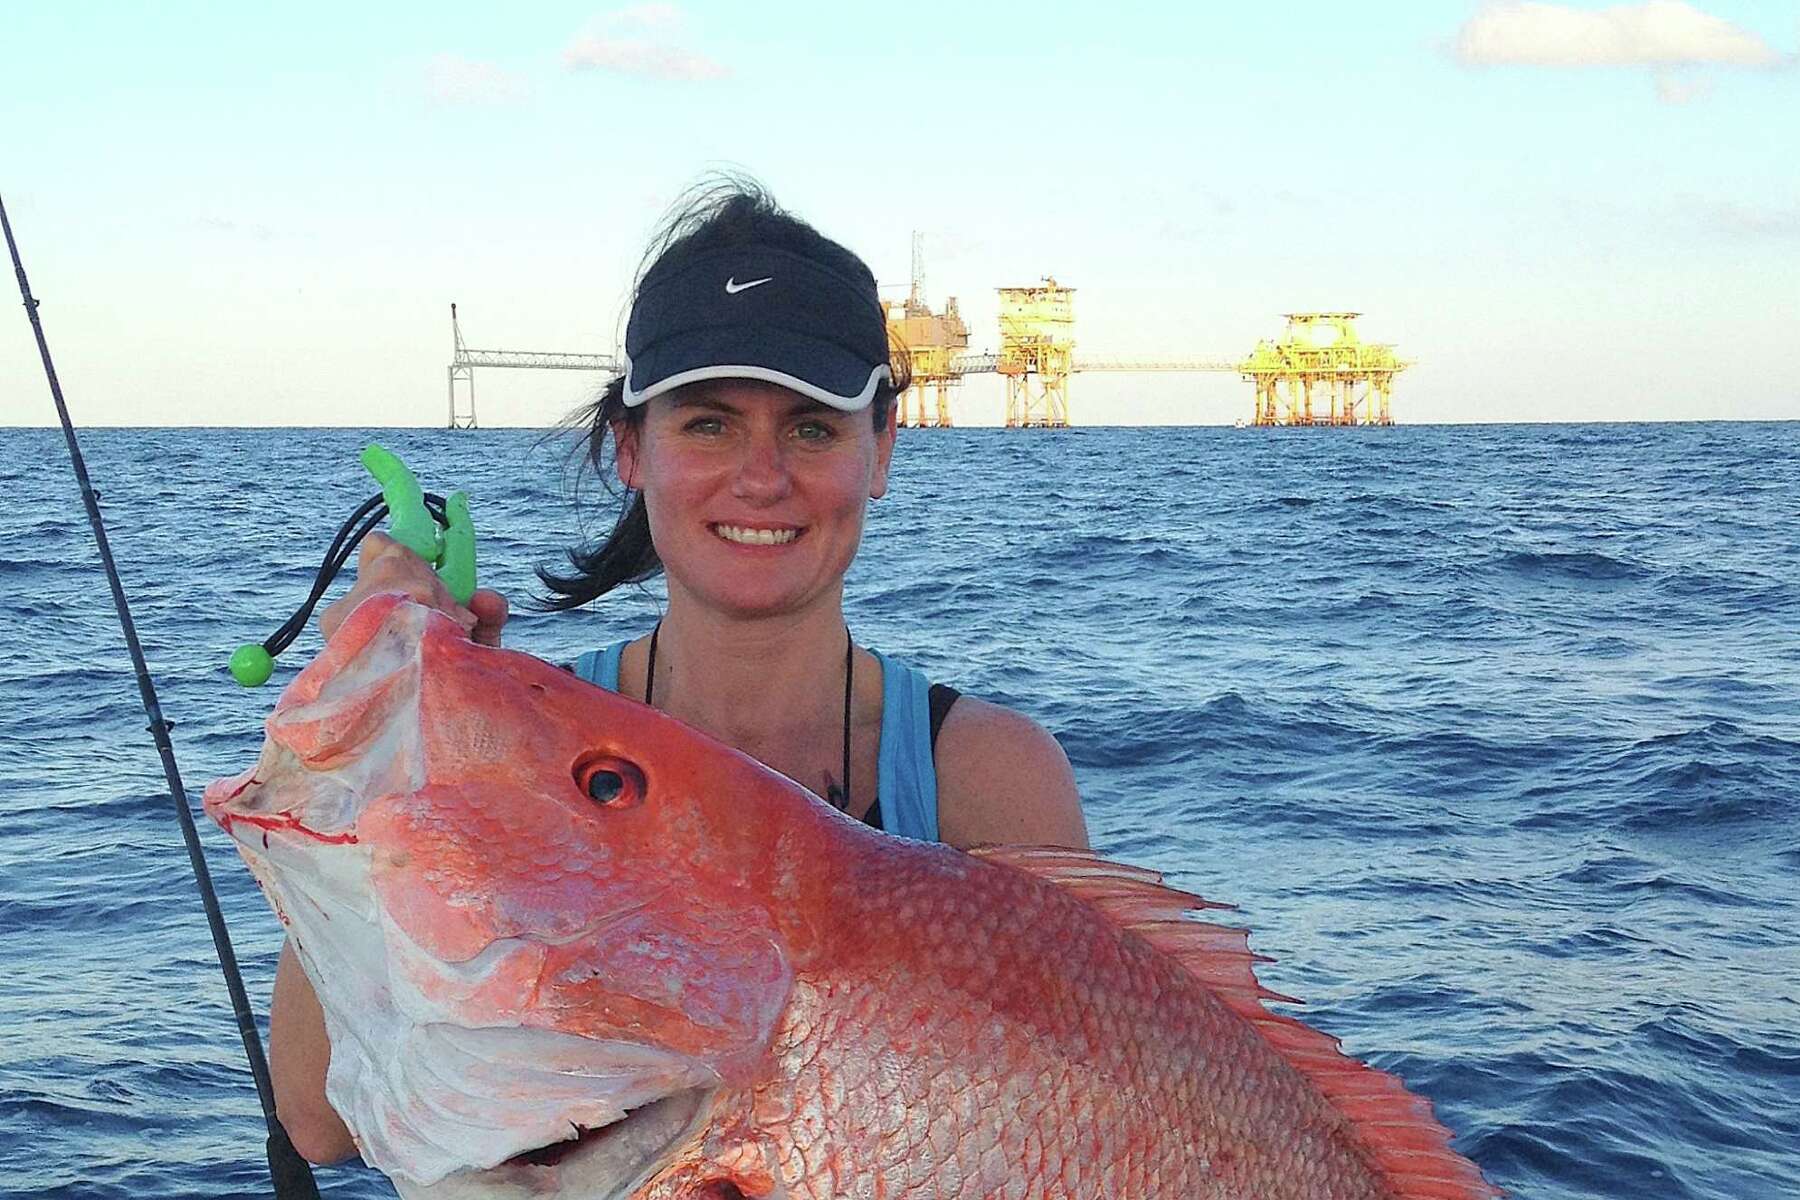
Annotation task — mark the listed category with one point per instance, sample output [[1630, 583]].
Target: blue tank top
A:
[[906, 776]]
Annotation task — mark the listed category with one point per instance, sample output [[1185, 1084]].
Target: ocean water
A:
[[1493, 734]]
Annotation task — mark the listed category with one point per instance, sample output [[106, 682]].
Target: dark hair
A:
[[721, 213]]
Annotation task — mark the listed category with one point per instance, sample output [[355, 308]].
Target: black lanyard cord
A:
[[350, 534], [292, 1177]]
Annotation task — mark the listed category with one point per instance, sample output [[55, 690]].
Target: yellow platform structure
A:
[[934, 344], [932, 341], [1037, 346], [1322, 373]]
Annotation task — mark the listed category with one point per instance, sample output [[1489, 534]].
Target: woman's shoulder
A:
[[1003, 778]]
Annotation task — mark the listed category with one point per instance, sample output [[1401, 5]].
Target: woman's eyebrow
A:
[[700, 396], [701, 399]]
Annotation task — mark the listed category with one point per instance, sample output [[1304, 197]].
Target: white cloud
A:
[[261, 233], [646, 16], [1755, 220], [1674, 87], [639, 56], [637, 41], [453, 80], [1654, 33]]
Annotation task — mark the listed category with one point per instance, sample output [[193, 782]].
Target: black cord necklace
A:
[[838, 797]]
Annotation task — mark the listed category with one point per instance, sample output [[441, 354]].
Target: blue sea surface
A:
[[1492, 733]]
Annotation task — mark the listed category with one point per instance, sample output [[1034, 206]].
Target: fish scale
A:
[[1065, 1097], [743, 992]]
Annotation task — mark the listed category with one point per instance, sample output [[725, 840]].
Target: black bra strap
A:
[[939, 699]]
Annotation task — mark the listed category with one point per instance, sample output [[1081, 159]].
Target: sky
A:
[[259, 215]]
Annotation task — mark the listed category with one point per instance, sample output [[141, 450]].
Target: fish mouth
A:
[[604, 1162]]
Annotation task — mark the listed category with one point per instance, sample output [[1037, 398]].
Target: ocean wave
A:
[[1576, 565]]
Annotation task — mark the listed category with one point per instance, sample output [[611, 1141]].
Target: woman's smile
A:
[[756, 535]]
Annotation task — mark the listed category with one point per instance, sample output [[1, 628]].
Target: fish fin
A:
[[1396, 1127]]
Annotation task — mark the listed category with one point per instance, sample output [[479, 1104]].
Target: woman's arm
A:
[[1002, 779], [299, 1052]]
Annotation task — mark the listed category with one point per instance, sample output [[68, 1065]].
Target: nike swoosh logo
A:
[[733, 287]]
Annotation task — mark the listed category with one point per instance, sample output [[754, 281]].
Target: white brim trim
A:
[[811, 391]]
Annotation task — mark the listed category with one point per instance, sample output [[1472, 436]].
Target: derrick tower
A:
[[462, 415], [932, 342], [1321, 350], [1037, 341]]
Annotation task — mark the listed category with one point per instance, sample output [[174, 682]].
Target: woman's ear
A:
[[884, 452], [625, 452]]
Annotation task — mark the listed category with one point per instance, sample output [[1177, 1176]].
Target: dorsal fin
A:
[[1404, 1140]]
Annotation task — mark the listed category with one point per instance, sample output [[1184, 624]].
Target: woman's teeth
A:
[[756, 537]]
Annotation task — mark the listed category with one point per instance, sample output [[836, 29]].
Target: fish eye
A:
[[610, 782]]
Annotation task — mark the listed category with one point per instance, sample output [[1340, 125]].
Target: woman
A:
[[754, 423]]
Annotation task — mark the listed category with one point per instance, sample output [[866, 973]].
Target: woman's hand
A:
[[384, 565]]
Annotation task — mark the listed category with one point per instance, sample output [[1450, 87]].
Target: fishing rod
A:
[[290, 1173]]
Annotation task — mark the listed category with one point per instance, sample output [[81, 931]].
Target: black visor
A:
[[755, 312]]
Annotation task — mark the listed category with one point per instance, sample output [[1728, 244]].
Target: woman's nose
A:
[[762, 471]]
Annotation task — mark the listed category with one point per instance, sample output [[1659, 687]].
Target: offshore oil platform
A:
[[1035, 358], [1354, 378], [1318, 372]]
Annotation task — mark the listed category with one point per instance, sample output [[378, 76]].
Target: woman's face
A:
[[755, 493]]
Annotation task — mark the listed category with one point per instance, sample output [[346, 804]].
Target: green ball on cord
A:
[[251, 664]]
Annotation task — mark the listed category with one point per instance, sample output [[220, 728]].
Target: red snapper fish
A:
[[567, 946]]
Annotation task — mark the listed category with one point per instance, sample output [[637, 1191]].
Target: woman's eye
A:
[[610, 782]]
